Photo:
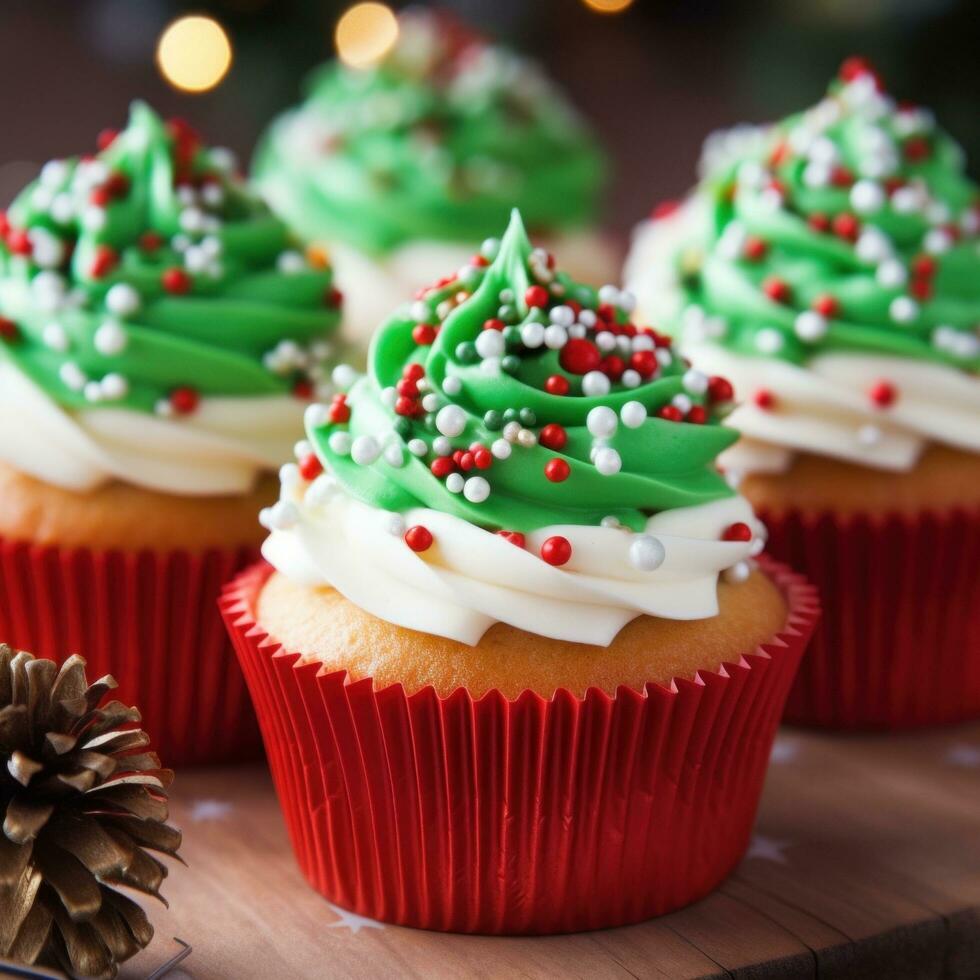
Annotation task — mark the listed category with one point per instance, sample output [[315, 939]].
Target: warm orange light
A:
[[194, 54], [365, 34], [608, 6]]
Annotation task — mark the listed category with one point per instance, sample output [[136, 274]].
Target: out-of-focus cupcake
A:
[[160, 338], [514, 644], [830, 269], [403, 167]]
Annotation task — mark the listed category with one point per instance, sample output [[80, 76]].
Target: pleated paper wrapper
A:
[[529, 815], [150, 620], [898, 645]]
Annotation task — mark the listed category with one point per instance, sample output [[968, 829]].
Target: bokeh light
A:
[[365, 34], [608, 6], [194, 54]]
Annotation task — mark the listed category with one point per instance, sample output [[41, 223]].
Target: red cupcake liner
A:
[[526, 815], [151, 621], [898, 646]]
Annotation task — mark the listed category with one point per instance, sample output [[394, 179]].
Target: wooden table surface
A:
[[865, 864]]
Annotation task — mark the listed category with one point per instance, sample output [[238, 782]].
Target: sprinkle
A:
[[608, 462], [776, 289], [903, 309], [533, 334], [633, 414], [526, 438], [451, 420], [393, 523], [595, 384], [343, 376], [476, 489], [601, 421], [556, 550], [501, 448], [738, 531], [514, 537], [55, 336], [579, 356], [114, 386], [557, 470], [867, 196], [610, 521], [810, 326], [184, 400], [647, 552], [72, 376], [452, 386], [769, 340], [883, 394], [175, 281], [536, 297], [720, 389], [365, 450], [441, 446], [738, 572], [555, 337], [418, 447], [556, 385], [630, 378], [340, 443], [490, 343], [763, 398], [310, 467], [869, 435], [695, 382], [891, 274], [394, 456], [455, 482], [122, 299], [418, 538]]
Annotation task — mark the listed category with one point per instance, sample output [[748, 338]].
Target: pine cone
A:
[[81, 807]]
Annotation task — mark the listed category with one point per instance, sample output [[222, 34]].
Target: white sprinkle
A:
[[418, 447], [343, 376], [563, 315], [282, 516], [642, 341], [526, 438], [601, 421], [223, 159], [490, 343], [873, 246], [937, 241], [114, 386], [511, 431], [48, 249], [476, 489], [454, 482], [605, 340], [212, 194], [595, 384], [905, 200], [490, 248], [739, 572], [365, 450], [627, 301], [452, 385], [192, 220], [630, 378], [430, 402], [55, 337], [393, 523], [683, 403], [62, 208], [451, 420], [810, 326], [54, 173], [389, 396], [607, 461], [610, 521], [302, 448], [72, 376], [588, 318], [315, 416], [340, 443], [903, 309], [869, 435], [93, 218], [578, 331], [290, 263], [664, 357], [441, 446], [122, 299], [501, 449], [165, 409], [289, 475], [532, 335], [394, 456], [695, 382], [647, 552], [92, 391], [633, 414], [768, 340], [555, 337], [891, 274], [867, 196]]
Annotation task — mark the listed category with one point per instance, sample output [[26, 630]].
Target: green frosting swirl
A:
[[150, 270], [437, 141], [433, 377], [858, 210]]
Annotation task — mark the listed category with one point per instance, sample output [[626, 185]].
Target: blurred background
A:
[[654, 77]]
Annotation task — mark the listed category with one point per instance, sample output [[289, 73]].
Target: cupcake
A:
[[513, 641], [160, 338], [404, 167], [829, 267]]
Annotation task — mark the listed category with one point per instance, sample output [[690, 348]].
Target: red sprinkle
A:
[[150, 241], [755, 249], [818, 221], [303, 389], [664, 209], [644, 362], [405, 406], [408, 388], [720, 389], [536, 296], [413, 371], [553, 436], [483, 458], [856, 66], [841, 177], [556, 385], [916, 149], [18, 242], [184, 400], [846, 226], [557, 470], [424, 334], [612, 366], [556, 550], [442, 466], [9, 331], [334, 297], [579, 356], [883, 394], [698, 415], [106, 138], [176, 281], [671, 413], [493, 324], [514, 537], [310, 467], [764, 399], [921, 289], [418, 538], [923, 267], [737, 532], [104, 262], [826, 305], [776, 289]]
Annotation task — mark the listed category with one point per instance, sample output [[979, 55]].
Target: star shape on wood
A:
[[351, 920], [962, 754], [767, 849], [204, 810]]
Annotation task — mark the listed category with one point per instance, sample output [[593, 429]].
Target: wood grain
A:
[[866, 864]]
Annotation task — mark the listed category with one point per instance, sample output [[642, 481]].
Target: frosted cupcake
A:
[[160, 337], [830, 269], [513, 605], [404, 167]]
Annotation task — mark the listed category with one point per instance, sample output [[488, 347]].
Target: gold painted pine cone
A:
[[83, 803]]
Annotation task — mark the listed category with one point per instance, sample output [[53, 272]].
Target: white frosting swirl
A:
[[472, 578], [220, 449], [821, 407]]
